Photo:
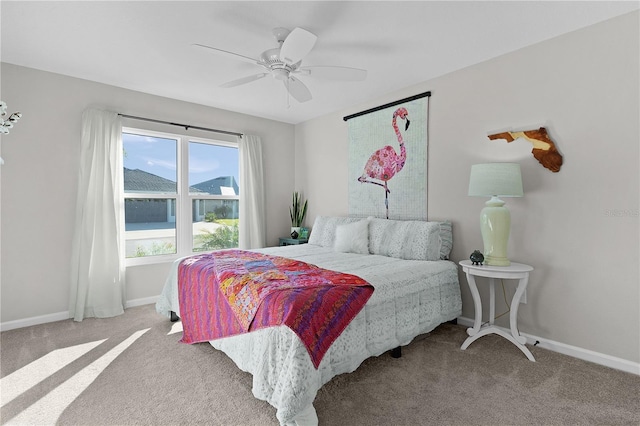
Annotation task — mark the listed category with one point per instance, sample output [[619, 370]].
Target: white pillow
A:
[[323, 232], [405, 239], [446, 235], [352, 237]]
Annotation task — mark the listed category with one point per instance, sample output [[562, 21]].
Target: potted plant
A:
[[297, 211]]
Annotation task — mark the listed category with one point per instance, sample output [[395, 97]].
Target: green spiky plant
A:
[[297, 210]]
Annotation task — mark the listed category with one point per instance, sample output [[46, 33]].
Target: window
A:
[[181, 195]]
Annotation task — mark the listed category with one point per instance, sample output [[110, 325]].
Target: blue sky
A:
[[158, 156]]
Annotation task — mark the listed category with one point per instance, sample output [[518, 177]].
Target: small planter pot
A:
[[295, 232]]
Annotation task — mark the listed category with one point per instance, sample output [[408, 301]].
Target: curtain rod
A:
[[390, 104], [186, 126]]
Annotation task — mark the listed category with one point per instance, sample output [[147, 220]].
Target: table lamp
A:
[[495, 180]]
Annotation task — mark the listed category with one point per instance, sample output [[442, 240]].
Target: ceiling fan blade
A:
[[297, 89], [243, 80], [297, 45], [227, 53], [335, 73]]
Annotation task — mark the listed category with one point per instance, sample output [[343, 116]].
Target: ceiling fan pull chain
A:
[[288, 94]]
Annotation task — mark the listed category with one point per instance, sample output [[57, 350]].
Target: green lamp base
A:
[[495, 225]]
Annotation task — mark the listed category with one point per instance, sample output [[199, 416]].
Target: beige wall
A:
[[584, 88], [39, 181]]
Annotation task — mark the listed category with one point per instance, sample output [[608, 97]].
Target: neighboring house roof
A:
[[222, 185], [137, 180], [140, 181]]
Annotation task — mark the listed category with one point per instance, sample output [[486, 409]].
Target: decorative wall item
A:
[[7, 124], [387, 174], [544, 149]]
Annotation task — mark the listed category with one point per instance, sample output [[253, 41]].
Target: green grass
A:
[[227, 222]]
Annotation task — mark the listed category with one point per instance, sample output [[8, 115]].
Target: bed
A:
[[416, 289]]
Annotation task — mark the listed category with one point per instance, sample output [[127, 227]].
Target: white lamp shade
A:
[[495, 179]]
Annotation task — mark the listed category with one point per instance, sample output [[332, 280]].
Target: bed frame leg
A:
[[396, 352], [174, 317]]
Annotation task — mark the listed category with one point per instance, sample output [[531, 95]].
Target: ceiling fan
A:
[[284, 61]]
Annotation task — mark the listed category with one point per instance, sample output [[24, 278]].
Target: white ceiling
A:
[[146, 45]]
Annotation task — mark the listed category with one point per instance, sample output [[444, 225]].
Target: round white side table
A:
[[515, 271]]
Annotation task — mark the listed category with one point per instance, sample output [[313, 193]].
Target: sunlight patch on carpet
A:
[[48, 409], [176, 328], [30, 375]]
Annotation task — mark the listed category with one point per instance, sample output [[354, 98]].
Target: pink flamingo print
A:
[[385, 163]]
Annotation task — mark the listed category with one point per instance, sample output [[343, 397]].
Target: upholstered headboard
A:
[[404, 239]]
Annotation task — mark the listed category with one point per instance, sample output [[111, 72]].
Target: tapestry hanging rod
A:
[[390, 104], [186, 126]]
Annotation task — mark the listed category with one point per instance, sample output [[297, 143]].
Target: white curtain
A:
[[252, 204], [97, 269]]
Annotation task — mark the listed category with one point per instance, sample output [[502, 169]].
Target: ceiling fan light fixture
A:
[[271, 56], [280, 74]]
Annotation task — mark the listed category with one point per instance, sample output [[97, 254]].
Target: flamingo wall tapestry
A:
[[388, 162]]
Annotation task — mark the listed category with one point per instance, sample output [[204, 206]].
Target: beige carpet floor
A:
[[155, 380]]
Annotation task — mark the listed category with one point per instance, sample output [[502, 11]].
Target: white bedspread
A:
[[410, 298]]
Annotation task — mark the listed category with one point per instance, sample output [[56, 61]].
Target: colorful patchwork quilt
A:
[[229, 292]]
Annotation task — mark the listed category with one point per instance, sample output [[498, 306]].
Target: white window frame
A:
[[184, 200]]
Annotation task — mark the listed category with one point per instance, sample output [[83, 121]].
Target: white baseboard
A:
[[563, 348], [139, 302], [27, 322], [60, 316], [573, 351]]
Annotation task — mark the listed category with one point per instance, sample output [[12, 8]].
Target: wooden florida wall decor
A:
[[388, 161], [544, 150]]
